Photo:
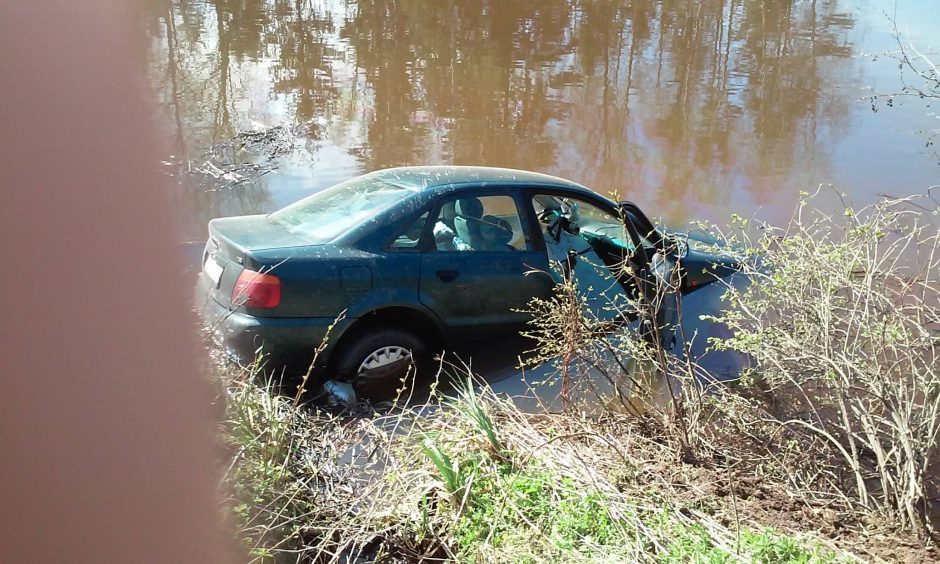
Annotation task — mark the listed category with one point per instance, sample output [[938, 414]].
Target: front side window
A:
[[479, 223], [579, 224], [325, 215], [590, 245]]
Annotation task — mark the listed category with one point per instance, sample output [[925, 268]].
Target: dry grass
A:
[[472, 478]]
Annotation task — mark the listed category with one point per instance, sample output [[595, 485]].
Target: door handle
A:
[[447, 275]]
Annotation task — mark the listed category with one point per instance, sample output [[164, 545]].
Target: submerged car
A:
[[384, 269]]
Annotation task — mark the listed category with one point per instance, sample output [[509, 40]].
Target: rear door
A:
[[480, 270]]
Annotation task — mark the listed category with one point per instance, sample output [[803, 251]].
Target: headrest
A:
[[469, 207], [448, 213], [496, 230]]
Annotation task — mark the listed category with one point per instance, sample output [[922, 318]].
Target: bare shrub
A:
[[842, 322], [840, 319], [624, 357]]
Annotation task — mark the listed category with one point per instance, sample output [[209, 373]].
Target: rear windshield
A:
[[325, 215]]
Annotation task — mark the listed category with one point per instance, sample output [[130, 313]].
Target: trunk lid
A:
[[230, 241]]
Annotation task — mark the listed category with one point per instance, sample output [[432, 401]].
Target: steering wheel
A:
[[556, 221], [546, 215]]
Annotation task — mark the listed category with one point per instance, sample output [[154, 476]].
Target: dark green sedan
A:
[[402, 263]]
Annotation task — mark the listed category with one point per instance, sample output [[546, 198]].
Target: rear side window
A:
[[411, 236], [479, 223]]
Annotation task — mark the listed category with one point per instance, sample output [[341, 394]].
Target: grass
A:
[[467, 479], [529, 513], [763, 546], [267, 497]]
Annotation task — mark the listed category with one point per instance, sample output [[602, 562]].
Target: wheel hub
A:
[[384, 357]]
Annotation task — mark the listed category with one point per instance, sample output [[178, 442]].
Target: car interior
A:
[[492, 223], [486, 223]]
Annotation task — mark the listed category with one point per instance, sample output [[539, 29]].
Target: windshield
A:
[[327, 214]]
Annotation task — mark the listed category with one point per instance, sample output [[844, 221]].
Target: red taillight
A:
[[255, 289]]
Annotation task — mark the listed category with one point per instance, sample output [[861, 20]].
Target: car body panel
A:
[[461, 295], [480, 293], [284, 342]]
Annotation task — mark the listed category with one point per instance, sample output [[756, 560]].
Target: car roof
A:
[[435, 178]]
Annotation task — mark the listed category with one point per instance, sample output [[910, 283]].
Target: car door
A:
[[589, 244], [480, 270], [664, 257]]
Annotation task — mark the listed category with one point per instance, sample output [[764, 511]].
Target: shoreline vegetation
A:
[[824, 450]]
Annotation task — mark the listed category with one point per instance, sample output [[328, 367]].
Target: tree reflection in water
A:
[[688, 106]]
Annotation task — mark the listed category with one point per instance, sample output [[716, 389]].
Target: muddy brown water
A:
[[693, 108]]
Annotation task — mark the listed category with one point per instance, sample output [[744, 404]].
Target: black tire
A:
[[364, 344]]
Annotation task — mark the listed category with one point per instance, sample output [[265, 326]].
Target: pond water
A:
[[694, 109]]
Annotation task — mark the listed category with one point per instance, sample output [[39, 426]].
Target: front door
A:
[[481, 271], [591, 246]]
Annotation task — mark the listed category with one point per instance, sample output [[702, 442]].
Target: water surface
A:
[[692, 108]]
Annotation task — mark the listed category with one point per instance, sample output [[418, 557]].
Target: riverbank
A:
[[472, 478], [824, 449]]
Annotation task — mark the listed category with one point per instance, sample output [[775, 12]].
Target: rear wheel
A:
[[377, 359]]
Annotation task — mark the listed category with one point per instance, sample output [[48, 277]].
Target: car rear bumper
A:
[[279, 342]]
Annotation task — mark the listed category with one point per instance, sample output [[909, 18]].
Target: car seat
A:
[[468, 222], [497, 233], [449, 213], [444, 230]]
